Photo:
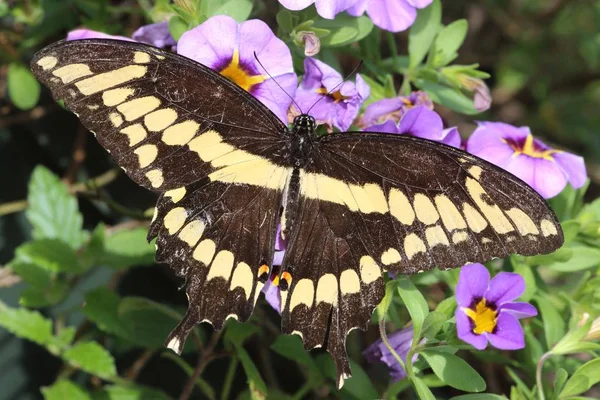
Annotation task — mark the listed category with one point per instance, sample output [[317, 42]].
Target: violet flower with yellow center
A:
[[516, 150], [487, 310], [229, 48]]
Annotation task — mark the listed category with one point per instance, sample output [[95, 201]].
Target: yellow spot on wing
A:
[[370, 198], [451, 217], [369, 270], [116, 119], [548, 228], [110, 79], [176, 194], [475, 171], [459, 237], [524, 224], [242, 277], [492, 212], [349, 282], [146, 154], [160, 119], [135, 108], [221, 266], [400, 207], [327, 290], [425, 209], [70, 72], [390, 256], [180, 134], [155, 177], [413, 245], [47, 62], [435, 235], [192, 232], [141, 57], [205, 251], [303, 293], [135, 132], [175, 219], [116, 96], [475, 220]]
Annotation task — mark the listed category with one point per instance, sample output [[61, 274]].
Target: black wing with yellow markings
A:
[[372, 202], [216, 155]]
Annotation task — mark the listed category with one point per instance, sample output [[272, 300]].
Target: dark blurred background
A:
[[543, 55]]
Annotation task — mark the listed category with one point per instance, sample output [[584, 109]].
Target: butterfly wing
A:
[[216, 155], [401, 204]]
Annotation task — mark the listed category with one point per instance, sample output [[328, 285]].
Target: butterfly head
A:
[[304, 124]]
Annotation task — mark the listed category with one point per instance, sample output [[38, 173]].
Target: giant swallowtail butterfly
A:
[[228, 171]]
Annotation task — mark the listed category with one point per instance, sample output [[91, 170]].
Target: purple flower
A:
[[391, 15], [421, 122], [394, 108], [325, 8], [517, 151], [401, 341], [486, 310], [338, 103], [271, 288], [157, 35], [228, 47]]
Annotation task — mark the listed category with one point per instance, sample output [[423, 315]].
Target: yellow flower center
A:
[[407, 102], [336, 96], [483, 317], [528, 148], [236, 74]]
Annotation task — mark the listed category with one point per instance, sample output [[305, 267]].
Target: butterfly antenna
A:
[[277, 83], [336, 86]]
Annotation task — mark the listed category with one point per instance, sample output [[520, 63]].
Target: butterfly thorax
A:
[[303, 133]]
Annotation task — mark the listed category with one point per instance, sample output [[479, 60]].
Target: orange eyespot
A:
[[263, 273], [286, 281]]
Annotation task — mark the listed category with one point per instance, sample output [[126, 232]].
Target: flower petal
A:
[[78, 34], [211, 43], [472, 284], [506, 131], [505, 287], [272, 95], [329, 8], [451, 137], [465, 333], [573, 166], [272, 295], [422, 122], [381, 108], [296, 5], [419, 3], [519, 309], [508, 334], [157, 35], [549, 179], [394, 16], [358, 8], [521, 166], [256, 37], [387, 127]]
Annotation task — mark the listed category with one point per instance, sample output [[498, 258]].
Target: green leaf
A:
[[284, 20], [447, 307], [23, 88], [129, 392], [570, 229], [479, 396], [237, 9], [52, 211], [561, 255], [584, 257], [423, 31], [570, 343], [91, 358], [177, 26], [65, 390], [583, 379], [415, 303], [32, 273], [433, 323], [359, 385], [37, 297], [26, 324], [102, 307], [560, 379], [449, 97], [454, 371], [50, 254], [554, 326], [422, 390], [527, 273], [65, 337], [238, 332], [127, 248], [382, 308], [448, 42], [343, 30], [258, 388], [290, 347]]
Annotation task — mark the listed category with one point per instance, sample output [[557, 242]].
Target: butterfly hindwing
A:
[[167, 121]]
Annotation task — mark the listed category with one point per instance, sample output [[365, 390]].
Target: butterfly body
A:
[[351, 205]]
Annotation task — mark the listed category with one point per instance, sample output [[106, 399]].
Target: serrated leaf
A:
[[102, 307], [454, 371], [65, 336], [36, 297], [65, 390], [23, 88], [52, 211], [422, 390], [50, 254], [92, 358], [127, 248], [32, 273], [26, 324], [583, 379], [415, 303], [129, 392], [423, 31]]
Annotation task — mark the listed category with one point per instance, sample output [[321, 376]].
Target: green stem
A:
[[405, 88], [385, 340], [391, 39], [538, 376], [233, 364]]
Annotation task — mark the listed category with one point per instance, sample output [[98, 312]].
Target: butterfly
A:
[[352, 205]]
